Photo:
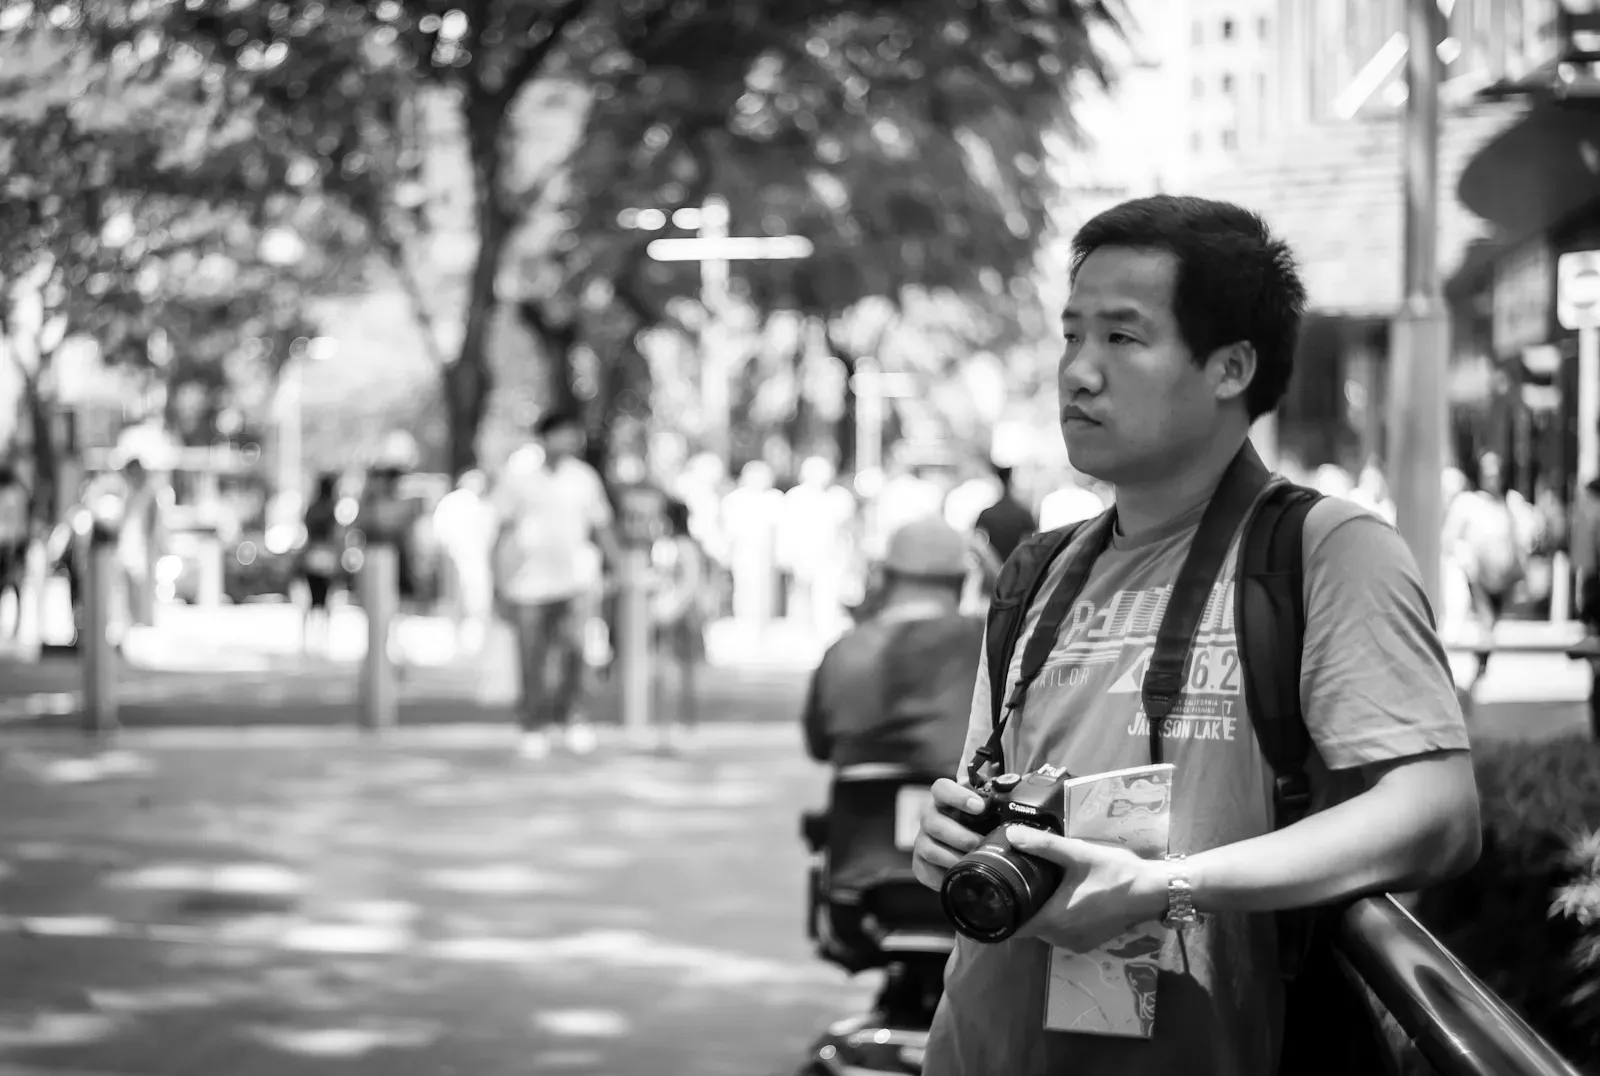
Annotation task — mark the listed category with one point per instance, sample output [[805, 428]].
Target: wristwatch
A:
[[1180, 895]]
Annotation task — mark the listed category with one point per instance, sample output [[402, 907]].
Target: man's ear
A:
[[1233, 367]]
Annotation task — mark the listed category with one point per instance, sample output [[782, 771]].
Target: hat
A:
[[927, 547]]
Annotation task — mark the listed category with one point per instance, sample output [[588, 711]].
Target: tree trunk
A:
[[44, 509], [468, 380], [557, 341]]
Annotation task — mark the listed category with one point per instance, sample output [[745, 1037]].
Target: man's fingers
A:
[[948, 832], [931, 860], [949, 794]]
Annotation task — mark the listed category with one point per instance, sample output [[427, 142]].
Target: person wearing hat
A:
[[897, 687]]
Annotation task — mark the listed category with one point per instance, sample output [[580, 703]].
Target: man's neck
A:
[[1142, 506]]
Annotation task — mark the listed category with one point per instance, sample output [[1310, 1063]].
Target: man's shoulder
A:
[[1333, 515]]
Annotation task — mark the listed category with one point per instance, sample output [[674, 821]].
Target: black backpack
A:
[[1325, 1007]]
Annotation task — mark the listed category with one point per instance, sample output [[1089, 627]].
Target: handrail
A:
[[1458, 1023]]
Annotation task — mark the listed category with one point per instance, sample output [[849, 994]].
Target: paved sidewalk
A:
[[424, 904]]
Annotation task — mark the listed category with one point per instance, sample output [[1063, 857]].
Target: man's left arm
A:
[[1381, 708]]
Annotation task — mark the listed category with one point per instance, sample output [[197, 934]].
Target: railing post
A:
[[380, 598], [99, 657]]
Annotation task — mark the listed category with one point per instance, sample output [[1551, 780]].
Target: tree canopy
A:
[[903, 138]]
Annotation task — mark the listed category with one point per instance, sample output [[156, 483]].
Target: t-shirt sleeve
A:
[[978, 719], [1375, 681]]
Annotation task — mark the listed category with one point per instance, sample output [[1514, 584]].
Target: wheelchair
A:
[[868, 911]]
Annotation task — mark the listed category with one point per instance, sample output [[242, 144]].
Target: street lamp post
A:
[[1420, 342], [714, 249]]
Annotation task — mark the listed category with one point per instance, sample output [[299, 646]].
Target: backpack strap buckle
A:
[[1160, 690], [1292, 793]]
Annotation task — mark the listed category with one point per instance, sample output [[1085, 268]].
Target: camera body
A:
[[1034, 799], [992, 890]]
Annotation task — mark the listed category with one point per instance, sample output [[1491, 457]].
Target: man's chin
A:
[[1091, 460]]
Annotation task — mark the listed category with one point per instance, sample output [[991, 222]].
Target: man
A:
[[555, 522], [895, 688], [1180, 330]]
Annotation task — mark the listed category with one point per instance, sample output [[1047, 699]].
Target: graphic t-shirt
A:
[[1375, 686]]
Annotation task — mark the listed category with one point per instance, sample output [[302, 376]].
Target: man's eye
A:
[[1070, 337], [1122, 338]]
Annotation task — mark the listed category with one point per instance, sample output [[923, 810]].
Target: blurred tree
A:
[[908, 142], [904, 138], [136, 214]]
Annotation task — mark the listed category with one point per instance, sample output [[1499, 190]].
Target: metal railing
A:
[[1460, 1026]]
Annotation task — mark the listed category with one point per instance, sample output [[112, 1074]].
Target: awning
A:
[[1334, 192], [1537, 171]]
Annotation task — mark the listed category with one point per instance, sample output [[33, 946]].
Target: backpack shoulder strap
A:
[[1014, 590], [1270, 619], [1269, 611]]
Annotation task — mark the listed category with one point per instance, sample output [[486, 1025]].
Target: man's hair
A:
[[555, 420], [1235, 280]]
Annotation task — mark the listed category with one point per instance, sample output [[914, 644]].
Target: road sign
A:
[[1578, 290]]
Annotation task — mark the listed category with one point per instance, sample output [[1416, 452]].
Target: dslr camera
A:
[[993, 889]]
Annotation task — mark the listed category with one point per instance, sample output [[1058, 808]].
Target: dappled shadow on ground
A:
[[376, 909]]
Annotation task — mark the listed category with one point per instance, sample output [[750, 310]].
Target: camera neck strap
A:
[[1165, 677]]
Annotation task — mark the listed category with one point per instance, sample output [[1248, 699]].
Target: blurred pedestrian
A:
[[813, 546], [1585, 549], [321, 559], [1004, 524], [1490, 543], [554, 522], [464, 526], [139, 541], [679, 613], [750, 514], [897, 688], [14, 535]]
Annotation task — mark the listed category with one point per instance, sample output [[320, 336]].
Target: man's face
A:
[[564, 440], [1133, 403]]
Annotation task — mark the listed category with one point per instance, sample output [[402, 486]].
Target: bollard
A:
[[633, 653], [380, 597], [99, 657]]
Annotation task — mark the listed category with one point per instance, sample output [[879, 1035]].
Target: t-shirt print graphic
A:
[[1122, 632]]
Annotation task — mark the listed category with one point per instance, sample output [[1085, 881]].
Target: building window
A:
[[1263, 27], [1199, 33], [1197, 88], [1230, 140], [1195, 143], [1227, 29], [1227, 83]]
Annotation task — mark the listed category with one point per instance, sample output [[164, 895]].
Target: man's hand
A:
[[1105, 891], [944, 840]]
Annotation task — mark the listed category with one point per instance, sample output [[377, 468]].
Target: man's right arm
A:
[[943, 840]]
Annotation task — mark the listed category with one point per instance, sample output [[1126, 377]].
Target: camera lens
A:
[[994, 889]]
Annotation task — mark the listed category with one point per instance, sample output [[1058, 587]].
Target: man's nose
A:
[[1079, 372]]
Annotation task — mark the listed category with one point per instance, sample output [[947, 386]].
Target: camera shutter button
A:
[[1007, 781]]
